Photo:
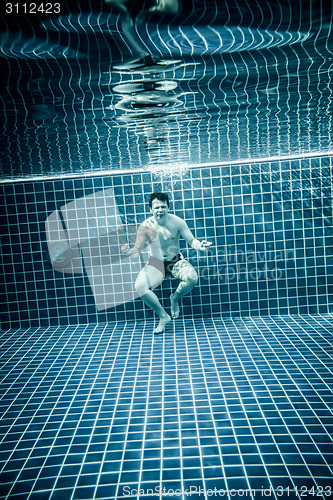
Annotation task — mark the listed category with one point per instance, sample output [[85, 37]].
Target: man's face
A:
[[159, 209]]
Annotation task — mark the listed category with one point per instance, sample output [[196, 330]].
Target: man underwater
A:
[[161, 232]]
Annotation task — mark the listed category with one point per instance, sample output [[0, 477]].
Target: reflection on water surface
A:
[[131, 88]]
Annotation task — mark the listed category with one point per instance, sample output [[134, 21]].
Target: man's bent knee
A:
[[192, 279], [141, 287]]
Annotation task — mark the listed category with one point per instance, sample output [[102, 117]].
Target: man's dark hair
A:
[[158, 196]]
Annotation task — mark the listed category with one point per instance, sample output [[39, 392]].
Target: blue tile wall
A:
[[270, 224]]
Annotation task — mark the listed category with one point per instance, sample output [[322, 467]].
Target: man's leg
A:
[[188, 277], [150, 277]]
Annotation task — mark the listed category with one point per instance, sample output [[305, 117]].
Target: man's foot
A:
[[174, 307], [161, 326]]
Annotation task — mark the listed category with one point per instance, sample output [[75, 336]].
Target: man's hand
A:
[[204, 245], [201, 245], [125, 249]]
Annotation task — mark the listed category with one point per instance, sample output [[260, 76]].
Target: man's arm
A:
[[190, 239], [140, 242]]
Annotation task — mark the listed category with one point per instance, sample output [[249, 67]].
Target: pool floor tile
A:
[[104, 411]]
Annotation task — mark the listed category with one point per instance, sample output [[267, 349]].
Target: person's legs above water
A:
[[185, 272], [150, 277]]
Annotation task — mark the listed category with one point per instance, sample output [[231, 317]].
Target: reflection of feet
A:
[[174, 307], [161, 326]]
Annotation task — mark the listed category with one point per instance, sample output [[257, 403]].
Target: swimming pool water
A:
[[220, 81], [227, 106]]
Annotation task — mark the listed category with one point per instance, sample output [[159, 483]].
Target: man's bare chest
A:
[[167, 233], [163, 233]]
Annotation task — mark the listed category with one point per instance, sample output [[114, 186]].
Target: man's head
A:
[[159, 206], [158, 196]]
